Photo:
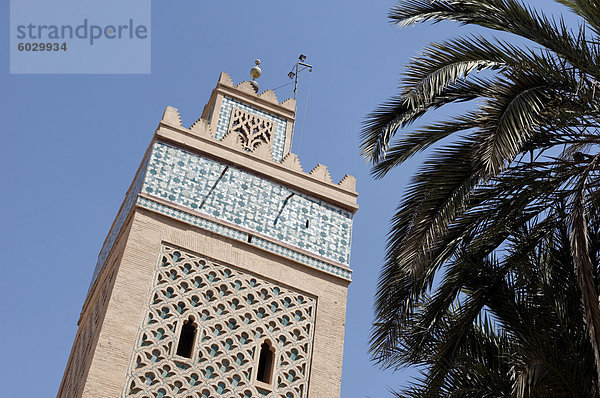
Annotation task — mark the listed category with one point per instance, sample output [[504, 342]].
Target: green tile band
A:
[[242, 236], [240, 198], [254, 203]]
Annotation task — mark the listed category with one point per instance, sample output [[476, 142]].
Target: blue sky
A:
[[73, 142]]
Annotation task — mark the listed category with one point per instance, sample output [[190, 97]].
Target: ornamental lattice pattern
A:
[[235, 312], [253, 130]]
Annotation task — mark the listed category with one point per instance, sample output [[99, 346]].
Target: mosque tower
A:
[[226, 269]]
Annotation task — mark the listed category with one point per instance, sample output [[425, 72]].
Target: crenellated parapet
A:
[[267, 95], [251, 135]]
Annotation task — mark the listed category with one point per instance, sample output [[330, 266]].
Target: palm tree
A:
[[528, 338], [528, 144]]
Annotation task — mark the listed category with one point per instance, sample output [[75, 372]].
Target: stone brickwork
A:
[[85, 342]]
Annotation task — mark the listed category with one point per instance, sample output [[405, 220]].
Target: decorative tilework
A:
[[120, 220], [280, 124], [242, 236], [191, 219], [241, 198], [302, 258]]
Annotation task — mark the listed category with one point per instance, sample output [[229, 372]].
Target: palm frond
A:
[[503, 210], [509, 119], [589, 10]]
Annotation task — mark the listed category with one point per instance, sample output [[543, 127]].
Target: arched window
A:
[[186, 339], [266, 360]]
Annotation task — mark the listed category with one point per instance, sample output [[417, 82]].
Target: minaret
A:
[[225, 271]]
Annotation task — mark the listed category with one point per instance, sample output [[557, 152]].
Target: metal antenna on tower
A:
[[299, 67], [296, 71]]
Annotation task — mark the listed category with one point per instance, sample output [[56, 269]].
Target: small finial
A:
[[255, 73]]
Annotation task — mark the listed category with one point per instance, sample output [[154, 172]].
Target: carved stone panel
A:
[[252, 129], [234, 312]]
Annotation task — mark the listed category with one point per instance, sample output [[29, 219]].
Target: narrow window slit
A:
[[306, 223], [186, 339], [249, 238], [265, 363]]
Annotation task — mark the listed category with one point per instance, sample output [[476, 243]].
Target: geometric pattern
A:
[[224, 121], [244, 199], [235, 312], [251, 129], [232, 233]]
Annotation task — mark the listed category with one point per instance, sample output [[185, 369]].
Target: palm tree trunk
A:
[[585, 277]]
